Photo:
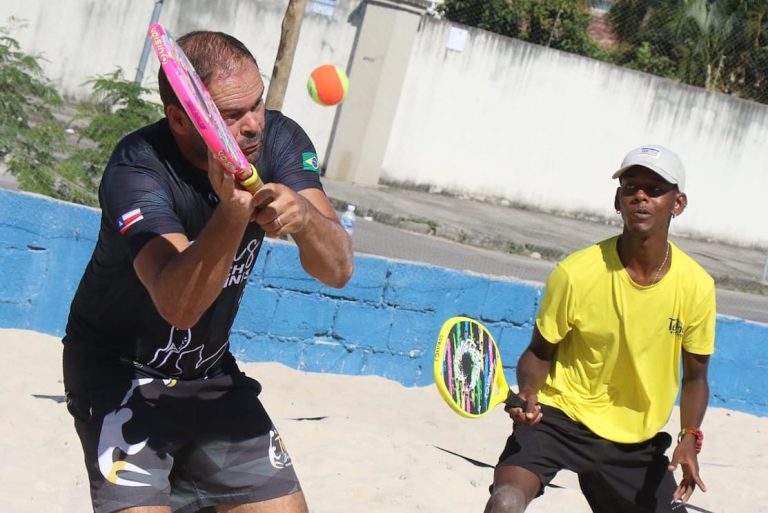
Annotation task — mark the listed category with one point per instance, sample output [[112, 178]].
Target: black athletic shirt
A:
[[149, 189]]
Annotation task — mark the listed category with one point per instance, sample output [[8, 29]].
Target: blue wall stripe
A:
[[383, 322]]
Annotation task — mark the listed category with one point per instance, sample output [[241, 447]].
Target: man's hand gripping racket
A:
[[197, 102], [468, 371]]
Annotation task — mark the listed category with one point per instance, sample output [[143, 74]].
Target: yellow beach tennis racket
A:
[[468, 371]]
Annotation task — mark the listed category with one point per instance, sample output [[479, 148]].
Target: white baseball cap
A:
[[662, 161]]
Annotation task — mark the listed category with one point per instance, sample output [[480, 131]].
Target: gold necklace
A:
[[656, 275]]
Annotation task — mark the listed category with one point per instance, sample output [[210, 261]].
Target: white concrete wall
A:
[[547, 128], [80, 39], [500, 118]]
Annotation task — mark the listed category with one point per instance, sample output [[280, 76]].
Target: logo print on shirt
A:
[[676, 326], [243, 264], [169, 359]]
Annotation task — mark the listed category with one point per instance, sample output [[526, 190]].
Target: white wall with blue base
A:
[[383, 322]]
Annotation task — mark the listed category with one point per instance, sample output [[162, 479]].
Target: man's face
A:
[[646, 200], [239, 98]]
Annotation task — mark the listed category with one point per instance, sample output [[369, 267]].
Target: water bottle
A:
[[348, 219]]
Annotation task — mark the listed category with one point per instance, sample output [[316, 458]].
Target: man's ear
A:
[[177, 119], [616, 203], [681, 201]]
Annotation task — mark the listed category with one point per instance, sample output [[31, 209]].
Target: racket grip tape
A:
[[515, 401], [252, 183]]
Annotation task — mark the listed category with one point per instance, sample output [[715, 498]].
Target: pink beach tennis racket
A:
[[468, 371], [200, 108]]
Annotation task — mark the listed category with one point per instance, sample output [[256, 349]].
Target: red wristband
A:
[[692, 431]]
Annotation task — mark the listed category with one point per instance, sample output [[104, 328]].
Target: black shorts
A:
[[184, 444], [613, 477]]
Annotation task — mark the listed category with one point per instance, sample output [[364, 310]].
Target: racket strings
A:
[[473, 363]]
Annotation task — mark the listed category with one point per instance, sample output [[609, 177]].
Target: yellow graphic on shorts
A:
[[278, 455], [113, 446]]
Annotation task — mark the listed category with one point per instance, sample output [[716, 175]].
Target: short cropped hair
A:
[[212, 54]]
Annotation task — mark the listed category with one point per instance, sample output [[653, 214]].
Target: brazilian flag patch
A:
[[309, 161]]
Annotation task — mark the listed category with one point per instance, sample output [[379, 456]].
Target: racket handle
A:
[[253, 182], [515, 401]]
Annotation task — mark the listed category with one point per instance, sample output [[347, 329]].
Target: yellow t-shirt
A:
[[617, 365]]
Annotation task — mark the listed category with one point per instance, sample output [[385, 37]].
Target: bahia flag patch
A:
[[128, 219], [309, 161]]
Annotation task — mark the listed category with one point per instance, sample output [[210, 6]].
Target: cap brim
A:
[[659, 172], [620, 172]]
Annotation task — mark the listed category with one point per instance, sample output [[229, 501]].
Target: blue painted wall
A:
[[383, 322]]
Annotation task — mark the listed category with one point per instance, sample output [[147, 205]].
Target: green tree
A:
[[643, 58], [498, 16], [117, 107], [709, 31], [30, 137], [751, 75], [35, 145], [561, 24], [721, 45]]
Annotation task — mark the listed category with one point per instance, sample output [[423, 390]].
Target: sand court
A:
[[359, 443]]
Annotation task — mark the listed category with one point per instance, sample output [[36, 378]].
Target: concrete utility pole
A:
[[289, 38], [764, 278], [147, 44]]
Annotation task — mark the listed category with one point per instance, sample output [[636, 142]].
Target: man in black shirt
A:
[[166, 419]]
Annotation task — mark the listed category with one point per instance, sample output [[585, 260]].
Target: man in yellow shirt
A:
[[603, 368]]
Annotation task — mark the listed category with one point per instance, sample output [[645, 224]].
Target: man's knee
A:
[[506, 499]]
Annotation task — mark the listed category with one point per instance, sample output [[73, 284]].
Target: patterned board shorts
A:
[[184, 444]]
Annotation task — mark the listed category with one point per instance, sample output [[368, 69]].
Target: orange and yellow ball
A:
[[327, 85]]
